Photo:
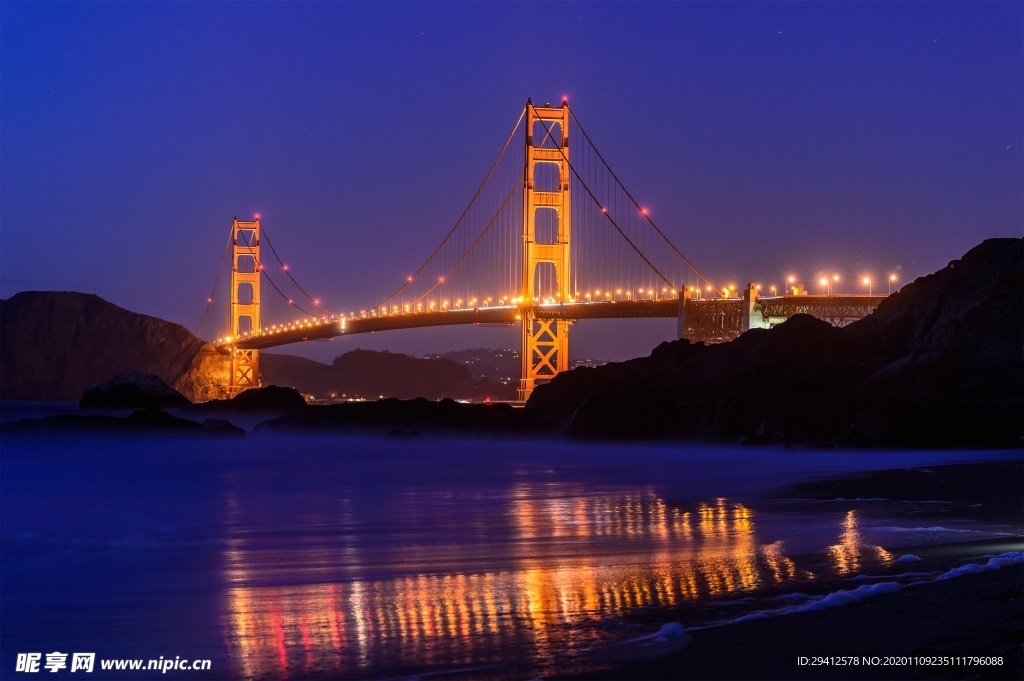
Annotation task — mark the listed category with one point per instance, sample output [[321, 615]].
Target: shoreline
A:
[[939, 620], [972, 615]]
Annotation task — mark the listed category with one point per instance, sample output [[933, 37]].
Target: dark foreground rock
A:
[[402, 418], [133, 389], [268, 398], [145, 421], [939, 364]]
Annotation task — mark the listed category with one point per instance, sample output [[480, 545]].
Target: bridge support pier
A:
[[545, 352], [681, 320], [750, 318]]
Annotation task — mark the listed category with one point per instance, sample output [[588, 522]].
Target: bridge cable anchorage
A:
[[637, 205], [472, 201], [216, 280], [610, 218]]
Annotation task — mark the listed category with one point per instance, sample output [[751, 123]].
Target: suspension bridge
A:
[[550, 237]]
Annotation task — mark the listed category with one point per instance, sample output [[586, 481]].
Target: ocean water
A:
[[309, 557]]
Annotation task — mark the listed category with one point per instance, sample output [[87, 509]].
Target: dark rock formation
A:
[[402, 418], [54, 345], [132, 389], [939, 364], [271, 397], [145, 421]]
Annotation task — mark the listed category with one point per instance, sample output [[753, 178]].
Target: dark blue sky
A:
[[766, 138]]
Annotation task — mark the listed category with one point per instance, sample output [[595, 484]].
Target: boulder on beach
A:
[[271, 397], [134, 389], [148, 421]]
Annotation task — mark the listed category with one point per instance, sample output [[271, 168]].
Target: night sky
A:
[[767, 138]]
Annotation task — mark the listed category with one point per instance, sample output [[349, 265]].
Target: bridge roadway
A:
[[838, 309]]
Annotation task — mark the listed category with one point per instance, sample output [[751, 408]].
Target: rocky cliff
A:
[[54, 345], [939, 364]]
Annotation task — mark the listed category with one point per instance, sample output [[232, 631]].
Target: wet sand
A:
[[979, 615]]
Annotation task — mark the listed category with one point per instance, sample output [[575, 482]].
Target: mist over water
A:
[[348, 557]]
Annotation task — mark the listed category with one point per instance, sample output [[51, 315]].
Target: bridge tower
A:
[[245, 303], [545, 347]]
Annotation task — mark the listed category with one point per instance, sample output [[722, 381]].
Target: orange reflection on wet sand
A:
[[573, 559], [848, 554]]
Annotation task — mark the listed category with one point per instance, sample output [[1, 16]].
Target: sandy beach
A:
[[965, 627]]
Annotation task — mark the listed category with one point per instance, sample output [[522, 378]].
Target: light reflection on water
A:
[[364, 556], [534, 574], [848, 554]]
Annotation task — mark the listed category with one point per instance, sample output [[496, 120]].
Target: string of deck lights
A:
[[439, 292]]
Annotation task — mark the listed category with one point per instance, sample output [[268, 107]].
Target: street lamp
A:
[[867, 282], [892, 278]]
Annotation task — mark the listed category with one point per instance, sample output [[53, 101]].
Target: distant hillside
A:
[[54, 345], [496, 366], [370, 374]]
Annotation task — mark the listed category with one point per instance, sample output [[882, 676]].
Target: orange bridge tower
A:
[[546, 199], [245, 304]]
